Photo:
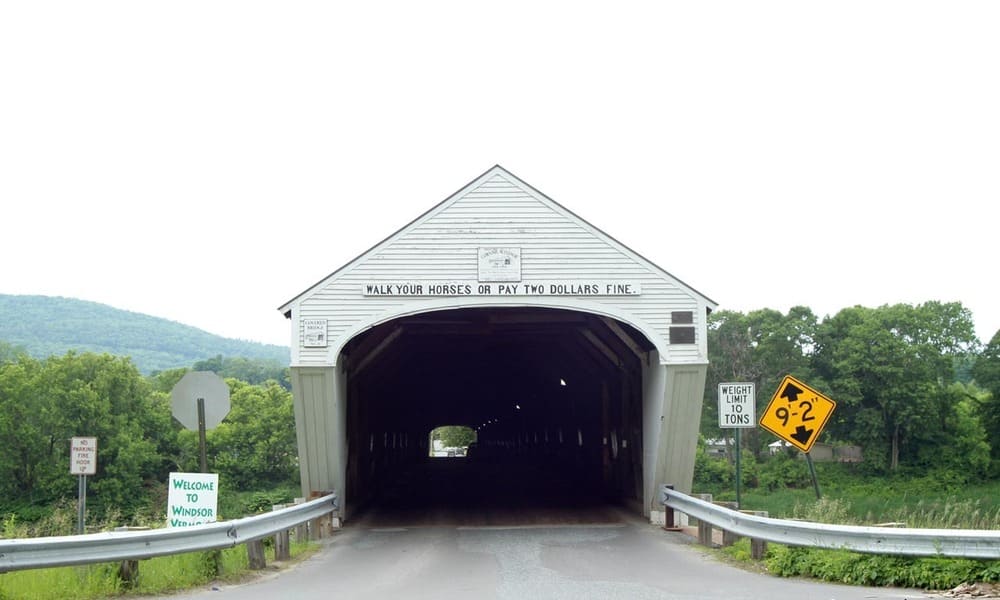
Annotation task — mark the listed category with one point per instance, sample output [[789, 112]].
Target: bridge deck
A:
[[469, 492]]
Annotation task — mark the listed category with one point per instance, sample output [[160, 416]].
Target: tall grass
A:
[[156, 575], [923, 502], [159, 575], [914, 503]]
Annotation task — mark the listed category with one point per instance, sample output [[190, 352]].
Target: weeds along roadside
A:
[[158, 575], [909, 502]]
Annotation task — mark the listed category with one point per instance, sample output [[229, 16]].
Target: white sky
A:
[[206, 162]]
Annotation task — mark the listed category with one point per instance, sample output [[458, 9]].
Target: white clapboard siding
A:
[[497, 210]]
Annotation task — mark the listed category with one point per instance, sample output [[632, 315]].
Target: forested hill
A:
[[45, 325]]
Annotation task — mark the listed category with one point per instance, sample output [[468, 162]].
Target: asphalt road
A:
[[623, 558]]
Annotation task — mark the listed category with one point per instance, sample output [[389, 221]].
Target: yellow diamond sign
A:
[[797, 413]]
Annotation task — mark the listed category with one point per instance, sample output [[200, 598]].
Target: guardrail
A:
[[36, 553], [958, 543]]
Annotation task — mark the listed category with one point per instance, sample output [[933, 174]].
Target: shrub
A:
[[878, 570], [783, 471]]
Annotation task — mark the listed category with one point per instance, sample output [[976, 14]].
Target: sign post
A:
[[737, 409], [82, 462], [797, 414]]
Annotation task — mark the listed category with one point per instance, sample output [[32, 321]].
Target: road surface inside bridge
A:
[[507, 491], [446, 532]]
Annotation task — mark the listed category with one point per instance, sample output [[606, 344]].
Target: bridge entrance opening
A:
[[579, 364], [545, 404], [451, 441]]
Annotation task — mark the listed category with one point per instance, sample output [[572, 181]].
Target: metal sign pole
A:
[[201, 436], [812, 471], [81, 504], [739, 476], [737, 407]]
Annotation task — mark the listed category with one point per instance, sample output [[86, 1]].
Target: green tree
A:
[[759, 347], [45, 403], [164, 381], [987, 375], [255, 445], [889, 369], [250, 370], [455, 436], [22, 428], [10, 352], [958, 442]]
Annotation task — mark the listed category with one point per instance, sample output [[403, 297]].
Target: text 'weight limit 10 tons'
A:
[[737, 406]]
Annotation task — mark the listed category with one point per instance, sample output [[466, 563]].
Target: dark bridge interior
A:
[[555, 396]]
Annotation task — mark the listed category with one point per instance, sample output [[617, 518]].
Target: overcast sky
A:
[[206, 162]]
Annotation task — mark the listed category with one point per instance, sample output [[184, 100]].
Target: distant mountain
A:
[[46, 325]]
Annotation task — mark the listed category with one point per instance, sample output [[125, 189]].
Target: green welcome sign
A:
[[193, 499]]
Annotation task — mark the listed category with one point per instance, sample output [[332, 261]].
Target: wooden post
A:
[[282, 543], [704, 527], [128, 569], [302, 529], [669, 517], [758, 548], [255, 555], [282, 546], [322, 527], [728, 537], [705, 533], [315, 529], [128, 573]]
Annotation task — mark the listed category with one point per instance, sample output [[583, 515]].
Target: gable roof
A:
[[444, 204]]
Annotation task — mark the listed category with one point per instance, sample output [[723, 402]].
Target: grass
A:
[[159, 575], [923, 502], [917, 502], [977, 507]]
